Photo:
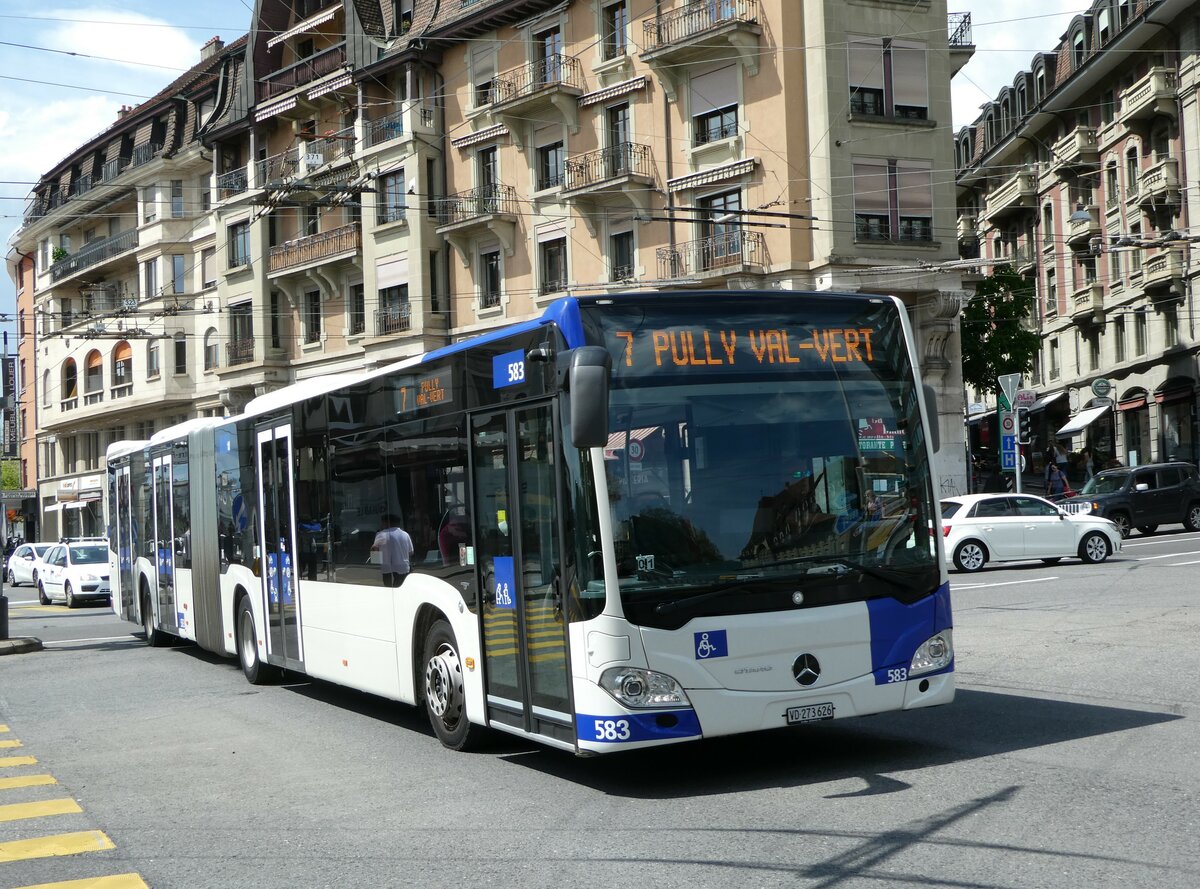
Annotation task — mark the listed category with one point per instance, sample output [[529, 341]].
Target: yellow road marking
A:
[[17, 761], [3, 728], [26, 781], [21, 811], [120, 881], [62, 844], [9, 744]]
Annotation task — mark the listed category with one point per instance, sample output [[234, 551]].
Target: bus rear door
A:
[[516, 467], [277, 531]]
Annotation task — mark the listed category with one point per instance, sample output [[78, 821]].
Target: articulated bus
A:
[[638, 519]]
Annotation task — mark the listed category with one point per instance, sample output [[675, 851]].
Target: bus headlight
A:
[[935, 653], [637, 688]]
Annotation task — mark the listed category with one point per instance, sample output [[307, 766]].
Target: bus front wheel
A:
[[257, 673], [155, 637], [445, 697]]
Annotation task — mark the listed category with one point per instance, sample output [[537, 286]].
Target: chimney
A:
[[124, 111], [211, 48]]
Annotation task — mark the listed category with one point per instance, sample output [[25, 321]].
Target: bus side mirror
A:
[[931, 409], [587, 380]]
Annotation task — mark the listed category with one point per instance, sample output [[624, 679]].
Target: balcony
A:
[[143, 154], [391, 320], [409, 119], [1080, 230], [699, 32], [1079, 148], [1163, 270], [1151, 96], [1159, 184], [1087, 304], [609, 169], [959, 41], [967, 231], [93, 254], [1025, 258], [314, 249], [232, 183], [301, 73], [239, 351], [555, 81], [729, 253], [489, 207], [1016, 196]]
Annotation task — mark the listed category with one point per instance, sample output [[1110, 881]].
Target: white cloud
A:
[[124, 36], [38, 135]]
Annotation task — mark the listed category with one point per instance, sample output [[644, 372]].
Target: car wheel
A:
[[1147, 529], [12, 578], [445, 698], [1191, 519], [970, 556], [71, 603], [42, 597], [1122, 522], [1053, 561], [1095, 548]]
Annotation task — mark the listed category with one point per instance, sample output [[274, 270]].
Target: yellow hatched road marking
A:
[[9, 744], [3, 728], [17, 761], [120, 881], [21, 811], [61, 844], [26, 781]]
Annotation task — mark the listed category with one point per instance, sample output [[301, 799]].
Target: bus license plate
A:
[[809, 713]]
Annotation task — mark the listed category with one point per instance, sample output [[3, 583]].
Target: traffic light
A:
[[1023, 427]]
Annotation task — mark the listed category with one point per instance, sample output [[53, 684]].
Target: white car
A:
[[982, 528], [24, 563], [75, 571]]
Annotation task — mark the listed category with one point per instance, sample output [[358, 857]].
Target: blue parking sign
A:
[[1008, 460]]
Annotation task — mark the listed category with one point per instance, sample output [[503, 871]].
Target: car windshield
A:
[[1105, 483], [92, 554]]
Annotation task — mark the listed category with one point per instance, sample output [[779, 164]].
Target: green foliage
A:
[[995, 336], [10, 475]]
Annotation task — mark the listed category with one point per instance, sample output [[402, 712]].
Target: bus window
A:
[[358, 498]]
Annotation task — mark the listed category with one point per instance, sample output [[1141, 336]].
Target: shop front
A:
[[1177, 433], [74, 508], [1134, 410]]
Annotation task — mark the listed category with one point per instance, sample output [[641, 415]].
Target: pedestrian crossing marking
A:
[[9, 744], [60, 844], [6, 761], [21, 811], [119, 881], [26, 781], [3, 728]]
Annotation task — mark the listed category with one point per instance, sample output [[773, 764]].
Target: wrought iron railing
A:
[[113, 168], [143, 154], [382, 129], [304, 71], [694, 19], [314, 247], [82, 185], [960, 29], [393, 319], [94, 253], [239, 351], [278, 167], [231, 183], [727, 251], [487, 200], [616, 161], [553, 70]]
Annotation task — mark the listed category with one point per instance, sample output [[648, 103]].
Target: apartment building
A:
[[24, 515], [124, 298], [1078, 176], [385, 178]]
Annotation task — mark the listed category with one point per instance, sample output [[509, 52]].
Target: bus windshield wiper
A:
[[840, 565], [675, 605]]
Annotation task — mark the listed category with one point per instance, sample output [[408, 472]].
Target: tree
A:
[[10, 475], [995, 337]]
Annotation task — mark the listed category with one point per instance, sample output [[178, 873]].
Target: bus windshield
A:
[[793, 471]]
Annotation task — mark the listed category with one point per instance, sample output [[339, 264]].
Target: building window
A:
[[1119, 338], [239, 244], [358, 309], [150, 279], [893, 201], [1139, 332], [483, 73], [390, 198], [553, 265], [1093, 351], [178, 273], [1078, 49], [1112, 187], [180, 353], [489, 279], [402, 16], [208, 266], [153, 360], [888, 78], [211, 356], [177, 211], [1054, 366], [620, 253], [550, 160], [312, 316], [276, 317], [714, 104], [122, 367], [149, 203], [394, 311], [614, 27], [1170, 326], [1131, 172], [93, 375]]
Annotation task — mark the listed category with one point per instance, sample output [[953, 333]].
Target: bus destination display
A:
[[716, 348], [424, 392]]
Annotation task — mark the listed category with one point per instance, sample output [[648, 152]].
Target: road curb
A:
[[20, 645]]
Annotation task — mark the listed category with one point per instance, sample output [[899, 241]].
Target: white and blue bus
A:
[[638, 519]]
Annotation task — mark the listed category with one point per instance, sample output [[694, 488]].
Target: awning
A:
[[75, 504], [53, 507], [1082, 420], [1045, 400]]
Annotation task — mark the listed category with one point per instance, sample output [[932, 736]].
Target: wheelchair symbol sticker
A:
[[710, 644]]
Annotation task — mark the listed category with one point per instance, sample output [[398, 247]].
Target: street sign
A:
[[1008, 443], [1025, 398], [1101, 387], [1009, 383], [1008, 424], [1008, 461]]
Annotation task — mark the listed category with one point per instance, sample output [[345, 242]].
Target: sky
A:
[[66, 69]]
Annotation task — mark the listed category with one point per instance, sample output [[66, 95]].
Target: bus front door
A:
[[165, 615], [127, 606], [516, 467], [277, 532]]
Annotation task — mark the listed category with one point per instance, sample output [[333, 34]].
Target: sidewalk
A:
[[20, 645]]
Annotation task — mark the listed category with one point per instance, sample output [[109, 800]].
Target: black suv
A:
[[1142, 497]]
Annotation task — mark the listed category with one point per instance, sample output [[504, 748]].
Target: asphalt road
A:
[[1068, 759]]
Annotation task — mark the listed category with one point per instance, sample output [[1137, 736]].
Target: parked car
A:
[[1142, 497], [24, 563], [75, 571], [982, 528]]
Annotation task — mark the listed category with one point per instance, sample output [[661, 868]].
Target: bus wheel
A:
[[445, 698], [257, 673], [155, 637]]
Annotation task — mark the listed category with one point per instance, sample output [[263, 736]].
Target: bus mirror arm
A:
[[931, 408], [588, 370]]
